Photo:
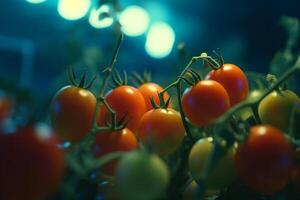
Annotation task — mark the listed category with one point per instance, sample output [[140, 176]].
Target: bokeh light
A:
[[100, 18], [35, 1], [160, 40], [73, 9], [134, 21]]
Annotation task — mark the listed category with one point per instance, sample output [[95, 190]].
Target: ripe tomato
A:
[[222, 174], [276, 108], [204, 102], [162, 129], [264, 161], [31, 165], [72, 112], [5, 107], [150, 90], [142, 176], [233, 80], [125, 101], [108, 142]]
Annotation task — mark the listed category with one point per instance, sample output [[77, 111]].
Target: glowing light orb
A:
[[100, 18], [160, 40], [134, 21], [35, 1], [73, 9]]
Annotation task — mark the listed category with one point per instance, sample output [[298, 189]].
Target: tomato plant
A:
[[142, 176], [150, 90], [264, 161], [72, 112], [126, 101], [223, 173], [233, 80], [204, 102], [276, 108], [107, 142], [31, 165], [162, 129]]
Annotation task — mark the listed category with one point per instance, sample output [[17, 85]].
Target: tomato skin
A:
[[224, 172], [276, 108], [264, 161], [72, 112], [142, 176], [150, 90], [125, 101], [233, 80], [205, 102], [6, 105], [108, 142], [31, 165], [162, 129]]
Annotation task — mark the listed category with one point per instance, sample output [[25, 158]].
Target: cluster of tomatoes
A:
[[145, 125]]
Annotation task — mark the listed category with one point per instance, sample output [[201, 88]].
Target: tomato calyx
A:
[[272, 79], [81, 84], [118, 80], [162, 102], [193, 75], [215, 63], [141, 79]]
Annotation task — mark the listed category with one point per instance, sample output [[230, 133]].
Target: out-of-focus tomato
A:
[[151, 90], [72, 112], [222, 174], [31, 165], [205, 102], [233, 80], [247, 112], [142, 176], [109, 142], [192, 192], [5, 107], [125, 101], [162, 129], [276, 108], [264, 161]]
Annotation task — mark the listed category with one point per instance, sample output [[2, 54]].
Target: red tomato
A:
[[5, 107], [31, 165], [125, 101], [150, 90], [233, 80], [162, 129], [205, 102], [72, 112], [109, 142], [264, 161]]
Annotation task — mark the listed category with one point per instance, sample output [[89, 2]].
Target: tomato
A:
[[276, 108], [150, 90], [247, 112], [205, 102], [142, 176], [233, 80], [162, 129], [108, 142], [72, 112], [264, 161], [125, 101], [191, 192], [31, 165], [222, 174], [5, 107]]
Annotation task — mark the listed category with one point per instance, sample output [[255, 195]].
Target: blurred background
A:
[[40, 38]]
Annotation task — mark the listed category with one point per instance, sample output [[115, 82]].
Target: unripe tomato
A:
[[264, 161], [150, 90], [233, 80], [72, 112], [192, 192], [247, 112], [31, 165], [108, 142], [222, 174], [205, 102], [125, 101], [162, 129], [276, 108], [142, 176]]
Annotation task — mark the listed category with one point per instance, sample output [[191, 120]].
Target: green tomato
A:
[[247, 112], [142, 176], [191, 192], [222, 174], [276, 108]]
